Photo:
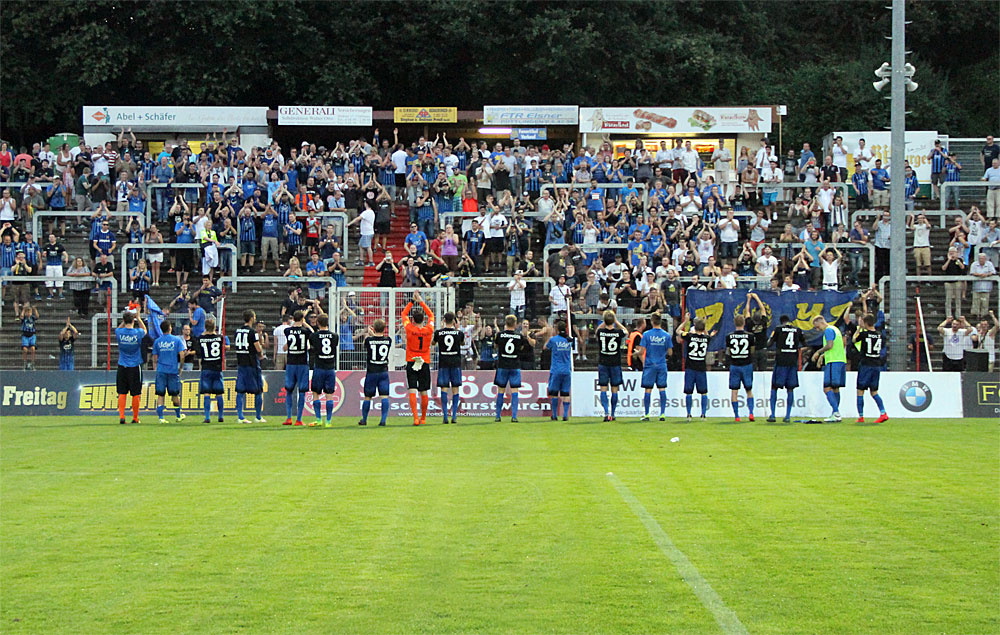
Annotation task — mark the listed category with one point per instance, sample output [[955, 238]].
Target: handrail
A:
[[150, 191], [799, 245], [935, 279], [56, 213], [64, 278], [959, 184], [127, 246], [941, 213], [794, 185], [604, 186], [589, 247]]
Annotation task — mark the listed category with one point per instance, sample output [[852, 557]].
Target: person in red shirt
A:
[[312, 230], [418, 324]]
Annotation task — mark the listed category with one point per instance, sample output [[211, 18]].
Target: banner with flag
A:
[[718, 307]]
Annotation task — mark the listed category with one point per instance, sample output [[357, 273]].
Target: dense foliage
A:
[[815, 57]]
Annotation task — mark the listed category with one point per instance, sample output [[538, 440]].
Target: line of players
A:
[[655, 345]]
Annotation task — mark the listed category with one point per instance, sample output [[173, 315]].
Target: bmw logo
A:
[[915, 396]]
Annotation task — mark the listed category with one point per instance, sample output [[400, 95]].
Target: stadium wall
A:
[[906, 394]]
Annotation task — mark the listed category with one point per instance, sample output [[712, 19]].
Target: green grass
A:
[[496, 528]]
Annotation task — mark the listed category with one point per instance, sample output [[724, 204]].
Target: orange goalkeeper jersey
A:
[[418, 336]]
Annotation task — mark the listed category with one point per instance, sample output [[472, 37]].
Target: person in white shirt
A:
[[955, 339], [689, 160], [788, 283], [517, 295], [366, 221], [664, 157], [840, 151], [984, 339], [767, 264], [758, 229], [863, 156], [729, 236], [770, 177], [824, 196], [727, 278], [981, 289], [559, 297], [691, 202], [765, 154], [280, 343], [921, 229], [829, 261], [721, 158]]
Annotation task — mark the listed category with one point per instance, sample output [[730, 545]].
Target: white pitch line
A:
[[726, 618]]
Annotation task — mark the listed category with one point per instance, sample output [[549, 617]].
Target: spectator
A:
[[955, 334], [981, 288], [29, 335], [830, 261], [992, 176], [294, 269], [921, 229], [388, 271], [516, 288], [140, 279], [154, 254], [196, 318], [881, 228], [416, 238], [316, 271], [366, 224], [911, 188], [952, 174], [281, 343], [67, 336], [938, 158], [80, 286], [766, 265], [104, 272], [880, 182], [55, 257]]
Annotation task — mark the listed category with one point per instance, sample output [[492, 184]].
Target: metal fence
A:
[[355, 309]]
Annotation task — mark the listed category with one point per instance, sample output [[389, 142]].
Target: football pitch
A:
[[532, 527]]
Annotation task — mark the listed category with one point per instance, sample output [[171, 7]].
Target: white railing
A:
[[37, 216], [64, 279], [942, 214], [182, 246], [947, 185]]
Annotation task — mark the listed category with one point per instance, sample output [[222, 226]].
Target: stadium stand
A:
[[477, 221]]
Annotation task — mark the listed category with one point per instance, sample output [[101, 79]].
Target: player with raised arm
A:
[[168, 352], [129, 375], [560, 370], [323, 344], [296, 367], [787, 340], [418, 324], [209, 348], [655, 345], [509, 344], [695, 352], [248, 377], [869, 343], [739, 347], [449, 341], [611, 339], [834, 354], [377, 347]]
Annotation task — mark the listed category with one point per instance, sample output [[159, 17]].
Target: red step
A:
[[399, 228]]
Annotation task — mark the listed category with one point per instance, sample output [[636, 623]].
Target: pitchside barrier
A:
[[907, 395]]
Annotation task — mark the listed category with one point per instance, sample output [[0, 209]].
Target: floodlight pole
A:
[[897, 211]]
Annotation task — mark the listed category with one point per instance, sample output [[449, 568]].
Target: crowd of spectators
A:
[[628, 229]]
